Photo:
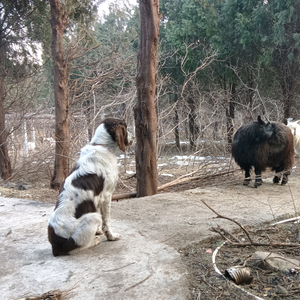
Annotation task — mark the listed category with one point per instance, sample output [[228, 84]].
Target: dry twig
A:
[[53, 295], [223, 232], [237, 223]]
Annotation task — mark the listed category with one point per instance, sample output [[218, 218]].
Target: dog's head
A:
[[113, 130]]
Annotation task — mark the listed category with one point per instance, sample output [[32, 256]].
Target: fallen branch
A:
[[237, 223], [183, 179], [179, 180], [123, 196]]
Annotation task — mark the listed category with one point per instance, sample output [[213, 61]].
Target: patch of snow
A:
[[130, 172], [180, 163], [173, 143], [189, 158], [122, 156], [161, 165]]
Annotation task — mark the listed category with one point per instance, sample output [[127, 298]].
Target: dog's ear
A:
[[121, 136]]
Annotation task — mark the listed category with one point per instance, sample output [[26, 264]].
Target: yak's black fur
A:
[[264, 145]]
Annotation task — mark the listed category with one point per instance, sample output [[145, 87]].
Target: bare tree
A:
[[17, 21], [59, 22], [5, 165], [145, 114], [79, 14], [176, 124], [229, 108]]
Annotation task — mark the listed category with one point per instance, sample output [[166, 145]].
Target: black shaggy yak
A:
[[264, 145]]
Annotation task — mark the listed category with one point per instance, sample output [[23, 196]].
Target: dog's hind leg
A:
[[60, 245], [84, 235], [105, 213]]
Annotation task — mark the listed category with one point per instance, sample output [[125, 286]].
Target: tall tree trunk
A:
[[59, 22], [24, 136], [192, 124], [249, 117], [176, 123], [288, 73], [87, 113], [230, 114], [5, 165], [144, 112], [287, 106], [287, 86]]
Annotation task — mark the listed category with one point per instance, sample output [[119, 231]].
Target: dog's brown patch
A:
[[85, 207], [60, 245], [62, 186], [89, 182]]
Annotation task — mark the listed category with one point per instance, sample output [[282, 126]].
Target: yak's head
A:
[[264, 130]]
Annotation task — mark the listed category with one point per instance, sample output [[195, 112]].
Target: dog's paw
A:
[[97, 241], [112, 236], [99, 231]]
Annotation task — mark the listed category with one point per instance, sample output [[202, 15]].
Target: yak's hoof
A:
[[276, 179], [284, 181], [258, 183], [246, 181]]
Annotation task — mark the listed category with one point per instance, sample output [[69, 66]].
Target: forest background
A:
[[220, 65]]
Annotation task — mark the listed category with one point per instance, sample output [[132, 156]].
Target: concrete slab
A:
[[145, 263], [131, 268]]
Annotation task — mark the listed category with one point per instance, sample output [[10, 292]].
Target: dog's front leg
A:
[[99, 229], [105, 212]]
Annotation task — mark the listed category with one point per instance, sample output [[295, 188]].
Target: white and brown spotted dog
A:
[[83, 205]]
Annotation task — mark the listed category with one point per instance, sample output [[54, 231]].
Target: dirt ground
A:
[[204, 282]]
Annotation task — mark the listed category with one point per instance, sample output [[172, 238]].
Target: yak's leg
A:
[[247, 176], [277, 176], [258, 180], [285, 177]]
